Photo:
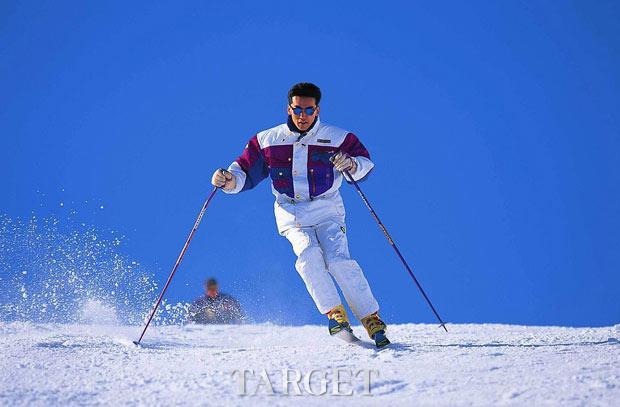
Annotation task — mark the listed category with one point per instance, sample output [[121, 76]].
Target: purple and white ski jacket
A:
[[303, 179]]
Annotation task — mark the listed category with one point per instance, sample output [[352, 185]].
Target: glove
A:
[[223, 179], [344, 162]]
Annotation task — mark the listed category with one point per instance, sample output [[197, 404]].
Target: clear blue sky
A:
[[494, 127]]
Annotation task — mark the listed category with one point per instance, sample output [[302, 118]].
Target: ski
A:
[[347, 336]]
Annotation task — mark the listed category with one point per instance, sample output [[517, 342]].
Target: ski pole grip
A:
[[223, 172]]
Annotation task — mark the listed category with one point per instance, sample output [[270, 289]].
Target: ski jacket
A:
[[303, 179], [221, 309]]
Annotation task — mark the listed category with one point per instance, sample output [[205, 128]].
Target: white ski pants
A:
[[323, 250]]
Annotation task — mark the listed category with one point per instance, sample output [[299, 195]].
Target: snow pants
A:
[[322, 253]]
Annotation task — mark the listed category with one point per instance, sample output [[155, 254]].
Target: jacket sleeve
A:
[[352, 146], [250, 168]]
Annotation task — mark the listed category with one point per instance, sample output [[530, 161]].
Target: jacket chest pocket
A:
[[282, 179], [279, 156], [320, 179]]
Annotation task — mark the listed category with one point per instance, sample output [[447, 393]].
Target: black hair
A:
[[305, 89], [211, 281]]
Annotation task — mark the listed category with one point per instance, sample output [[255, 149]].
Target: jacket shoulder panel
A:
[[272, 136], [332, 136]]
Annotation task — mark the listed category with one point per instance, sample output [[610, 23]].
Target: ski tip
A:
[[347, 336]]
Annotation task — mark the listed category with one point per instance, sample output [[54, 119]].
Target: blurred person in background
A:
[[215, 307]]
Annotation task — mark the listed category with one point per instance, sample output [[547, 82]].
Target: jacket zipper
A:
[[313, 181]]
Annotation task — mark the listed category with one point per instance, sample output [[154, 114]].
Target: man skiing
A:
[[305, 160]]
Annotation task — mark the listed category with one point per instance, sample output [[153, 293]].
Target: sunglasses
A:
[[309, 111]]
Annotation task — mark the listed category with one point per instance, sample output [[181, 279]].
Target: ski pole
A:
[[389, 238], [176, 265]]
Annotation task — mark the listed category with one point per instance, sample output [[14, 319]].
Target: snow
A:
[[85, 298], [473, 364]]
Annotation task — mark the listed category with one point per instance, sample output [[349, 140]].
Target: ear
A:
[[289, 111]]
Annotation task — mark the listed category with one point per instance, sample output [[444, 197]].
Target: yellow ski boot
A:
[[376, 329], [338, 320]]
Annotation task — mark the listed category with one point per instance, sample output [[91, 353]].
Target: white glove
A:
[[223, 179], [344, 162]]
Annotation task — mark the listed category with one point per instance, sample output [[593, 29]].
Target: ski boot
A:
[[376, 330], [338, 320]]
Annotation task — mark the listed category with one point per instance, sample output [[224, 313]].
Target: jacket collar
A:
[[310, 132]]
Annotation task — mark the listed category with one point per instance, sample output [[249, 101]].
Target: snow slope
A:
[[55, 364]]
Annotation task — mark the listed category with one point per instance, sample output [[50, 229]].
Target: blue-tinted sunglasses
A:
[[309, 111]]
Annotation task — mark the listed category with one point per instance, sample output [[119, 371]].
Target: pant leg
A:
[[347, 272], [310, 265]]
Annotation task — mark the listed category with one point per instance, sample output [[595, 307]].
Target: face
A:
[[211, 290], [303, 121]]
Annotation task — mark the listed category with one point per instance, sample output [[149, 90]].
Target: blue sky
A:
[[494, 127]]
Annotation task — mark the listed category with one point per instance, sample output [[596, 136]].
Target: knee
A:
[[343, 267], [309, 256], [349, 275]]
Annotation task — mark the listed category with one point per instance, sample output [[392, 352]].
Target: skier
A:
[[215, 307], [305, 159]]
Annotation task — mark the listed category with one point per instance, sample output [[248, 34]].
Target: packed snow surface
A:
[[61, 364]]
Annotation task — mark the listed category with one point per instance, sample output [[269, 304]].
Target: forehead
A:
[[303, 101]]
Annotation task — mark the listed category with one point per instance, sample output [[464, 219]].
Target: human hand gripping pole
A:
[[178, 262], [350, 179]]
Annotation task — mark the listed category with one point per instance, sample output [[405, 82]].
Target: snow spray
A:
[[57, 269]]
